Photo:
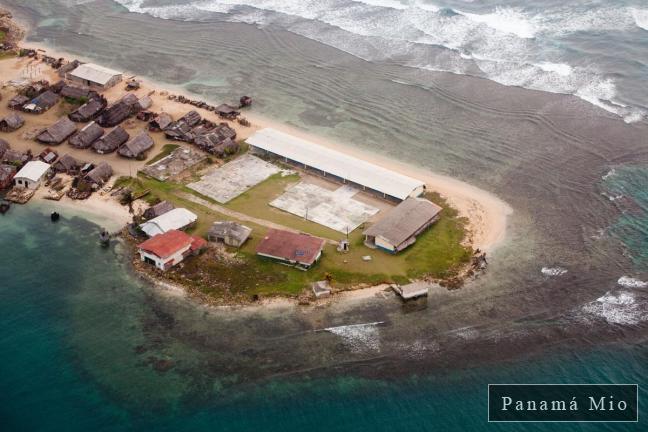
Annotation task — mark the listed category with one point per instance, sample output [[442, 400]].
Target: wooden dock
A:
[[411, 291]]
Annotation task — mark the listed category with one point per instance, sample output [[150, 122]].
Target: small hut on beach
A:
[[158, 210], [161, 122], [58, 132], [227, 111], [111, 141], [77, 93], [16, 158], [213, 144], [41, 103], [66, 164], [119, 111], [100, 174], [136, 148], [11, 122], [182, 130], [144, 103], [86, 136], [88, 111], [17, 102]]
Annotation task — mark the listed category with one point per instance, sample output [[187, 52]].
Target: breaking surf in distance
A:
[[560, 48]]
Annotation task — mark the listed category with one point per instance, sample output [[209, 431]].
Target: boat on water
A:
[[104, 237], [4, 206], [55, 216]]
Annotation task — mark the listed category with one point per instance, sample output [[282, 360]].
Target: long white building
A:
[[336, 165]]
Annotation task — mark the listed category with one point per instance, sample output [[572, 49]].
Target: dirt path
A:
[[241, 216]]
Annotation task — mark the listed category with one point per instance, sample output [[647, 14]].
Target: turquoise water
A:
[[71, 318]]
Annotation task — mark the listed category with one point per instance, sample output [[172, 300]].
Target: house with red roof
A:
[[170, 248], [299, 250]]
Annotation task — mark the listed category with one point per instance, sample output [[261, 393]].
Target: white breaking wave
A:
[[620, 308], [609, 174], [511, 46], [629, 282], [553, 271], [640, 17], [359, 337]]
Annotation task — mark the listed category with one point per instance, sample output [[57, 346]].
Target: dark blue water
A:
[[71, 317]]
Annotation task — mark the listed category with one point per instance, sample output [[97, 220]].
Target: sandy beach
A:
[[487, 214]]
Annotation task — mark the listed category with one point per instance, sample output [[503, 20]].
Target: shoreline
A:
[[487, 214]]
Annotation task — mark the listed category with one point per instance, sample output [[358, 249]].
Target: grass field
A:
[[438, 252]]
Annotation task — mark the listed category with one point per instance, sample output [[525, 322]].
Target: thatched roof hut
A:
[[69, 67], [100, 174], [119, 111], [42, 103], [88, 111], [214, 144], [192, 118], [15, 157], [4, 146], [144, 103], [17, 102], [78, 93], [66, 164], [161, 122], [111, 141], [58, 132], [136, 147], [158, 209], [7, 173], [86, 136], [11, 123], [226, 111]]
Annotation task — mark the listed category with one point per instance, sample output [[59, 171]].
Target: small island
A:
[[230, 207]]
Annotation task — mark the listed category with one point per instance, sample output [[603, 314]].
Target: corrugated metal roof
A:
[[165, 245], [302, 248], [175, 219], [33, 170], [336, 163], [94, 73]]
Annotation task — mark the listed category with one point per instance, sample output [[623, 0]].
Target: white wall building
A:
[[336, 165], [92, 75], [31, 175], [175, 219], [166, 250]]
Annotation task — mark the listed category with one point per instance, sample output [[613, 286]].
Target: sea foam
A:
[[620, 308], [553, 271], [630, 282]]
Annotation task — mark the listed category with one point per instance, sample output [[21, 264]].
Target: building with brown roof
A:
[[299, 250], [400, 227]]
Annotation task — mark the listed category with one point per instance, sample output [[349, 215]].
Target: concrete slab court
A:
[[232, 179], [334, 209]]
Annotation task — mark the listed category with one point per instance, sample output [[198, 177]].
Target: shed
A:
[[88, 111], [192, 118], [93, 75], [168, 249], [160, 122], [175, 219], [31, 175], [321, 288], [227, 111], [158, 209], [111, 141], [229, 233], [11, 122], [7, 173], [41, 103], [137, 146], [297, 249], [86, 136], [66, 164], [58, 132], [100, 174], [400, 227]]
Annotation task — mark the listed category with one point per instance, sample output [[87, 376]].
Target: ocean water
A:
[[565, 298], [79, 333], [550, 45]]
